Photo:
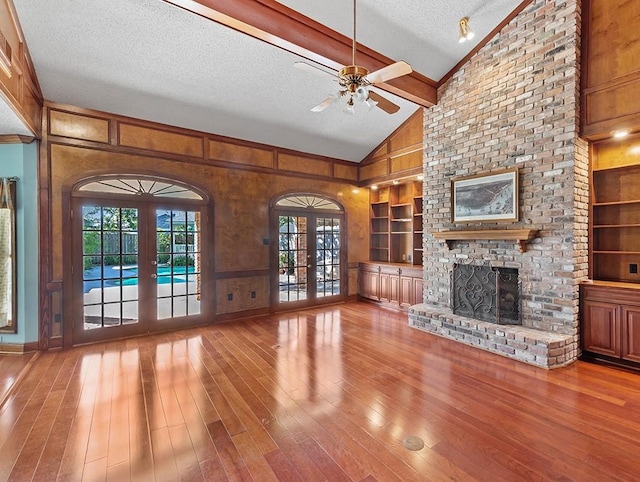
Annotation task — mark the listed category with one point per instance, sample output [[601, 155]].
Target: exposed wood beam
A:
[[282, 27]]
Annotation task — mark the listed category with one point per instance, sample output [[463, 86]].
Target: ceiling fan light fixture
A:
[[361, 94], [348, 107], [370, 103], [464, 30]]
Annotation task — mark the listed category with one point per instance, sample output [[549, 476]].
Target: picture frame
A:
[[490, 197]]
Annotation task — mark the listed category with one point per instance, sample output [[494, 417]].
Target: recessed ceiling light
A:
[[395, 181], [420, 177], [374, 188], [620, 133]]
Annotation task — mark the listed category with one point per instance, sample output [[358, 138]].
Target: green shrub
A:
[[183, 261]]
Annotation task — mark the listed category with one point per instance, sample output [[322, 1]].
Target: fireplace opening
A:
[[486, 293]]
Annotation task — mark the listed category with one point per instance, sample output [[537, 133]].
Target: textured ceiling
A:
[[151, 60]]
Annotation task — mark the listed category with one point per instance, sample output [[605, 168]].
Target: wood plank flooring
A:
[[12, 367], [322, 394]]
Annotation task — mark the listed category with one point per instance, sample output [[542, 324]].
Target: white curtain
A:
[[6, 244]]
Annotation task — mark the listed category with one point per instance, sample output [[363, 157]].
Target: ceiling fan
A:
[[355, 81]]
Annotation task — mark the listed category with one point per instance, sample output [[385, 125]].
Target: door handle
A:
[[154, 262], [154, 276]]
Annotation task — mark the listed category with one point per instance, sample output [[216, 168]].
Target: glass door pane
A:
[[110, 266], [293, 258], [178, 262], [327, 257]]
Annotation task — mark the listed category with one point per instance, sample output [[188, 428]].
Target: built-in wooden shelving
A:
[[396, 223]]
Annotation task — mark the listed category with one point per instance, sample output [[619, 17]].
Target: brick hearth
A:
[[541, 348]]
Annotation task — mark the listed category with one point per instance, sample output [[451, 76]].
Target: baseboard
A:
[[19, 348]]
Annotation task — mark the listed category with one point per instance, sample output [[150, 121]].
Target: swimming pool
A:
[[128, 276]]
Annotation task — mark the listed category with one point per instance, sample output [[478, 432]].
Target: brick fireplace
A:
[[513, 104]]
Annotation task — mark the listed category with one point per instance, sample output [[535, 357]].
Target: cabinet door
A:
[[601, 328], [370, 284], [394, 288], [406, 291], [418, 291], [631, 333], [385, 287]]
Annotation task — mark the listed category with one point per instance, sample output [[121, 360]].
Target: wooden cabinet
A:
[[601, 328], [615, 211], [369, 276], [631, 329], [610, 320], [610, 67], [396, 223], [393, 284]]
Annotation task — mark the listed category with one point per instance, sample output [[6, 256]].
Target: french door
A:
[[139, 266], [309, 259]]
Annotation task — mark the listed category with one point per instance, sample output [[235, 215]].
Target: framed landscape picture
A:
[[485, 197]]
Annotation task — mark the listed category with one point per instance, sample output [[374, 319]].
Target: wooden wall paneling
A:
[[288, 162], [348, 172], [251, 156], [411, 161], [374, 170], [18, 82], [154, 139], [67, 124], [380, 151], [410, 134]]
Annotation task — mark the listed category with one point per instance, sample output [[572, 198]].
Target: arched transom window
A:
[[308, 201], [138, 186]]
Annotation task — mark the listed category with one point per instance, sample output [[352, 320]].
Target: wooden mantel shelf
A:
[[522, 236]]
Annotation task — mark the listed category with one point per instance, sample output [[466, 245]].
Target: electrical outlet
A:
[[633, 268], [230, 297], [253, 294]]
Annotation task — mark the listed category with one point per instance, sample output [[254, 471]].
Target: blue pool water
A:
[[128, 276]]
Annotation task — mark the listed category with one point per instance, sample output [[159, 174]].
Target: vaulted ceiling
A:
[[227, 66]]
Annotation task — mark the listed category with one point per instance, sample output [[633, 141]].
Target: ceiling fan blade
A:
[[325, 103], [384, 104], [313, 69], [389, 72]]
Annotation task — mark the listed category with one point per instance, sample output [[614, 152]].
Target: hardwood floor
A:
[[323, 394], [12, 368]]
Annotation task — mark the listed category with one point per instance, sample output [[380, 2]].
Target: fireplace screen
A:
[[486, 293]]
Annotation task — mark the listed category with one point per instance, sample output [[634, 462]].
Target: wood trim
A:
[[16, 139], [19, 348], [44, 238], [241, 274], [282, 27], [514, 13], [522, 236]]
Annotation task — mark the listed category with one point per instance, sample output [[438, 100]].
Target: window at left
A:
[[8, 269]]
